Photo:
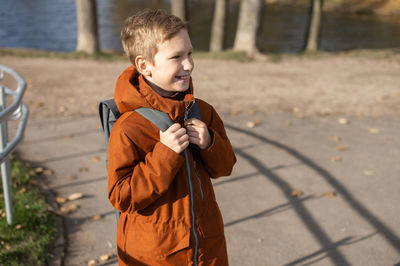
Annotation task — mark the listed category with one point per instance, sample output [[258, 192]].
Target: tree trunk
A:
[[218, 26], [178, 8], [88, 40], [314, 26], [249, 22]]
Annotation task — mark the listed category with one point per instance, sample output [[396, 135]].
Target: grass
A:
[[27, 240]]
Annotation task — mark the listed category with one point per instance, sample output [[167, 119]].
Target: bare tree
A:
[[88, 40], [218, 26], [249, 22], [178, 8], [314, 26]]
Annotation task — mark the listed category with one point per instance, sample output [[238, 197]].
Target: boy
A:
[[147, 178]]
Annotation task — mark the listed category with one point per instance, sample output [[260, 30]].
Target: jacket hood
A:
[[132, 92]]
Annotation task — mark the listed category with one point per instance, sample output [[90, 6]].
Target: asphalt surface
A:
[[305, 191]]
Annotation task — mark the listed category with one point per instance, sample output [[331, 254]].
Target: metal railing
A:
[[17, 110]]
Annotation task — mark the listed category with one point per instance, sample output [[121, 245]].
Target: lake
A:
[[51, 25]]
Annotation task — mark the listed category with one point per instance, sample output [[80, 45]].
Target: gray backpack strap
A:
[[158, 118], [194, 111]]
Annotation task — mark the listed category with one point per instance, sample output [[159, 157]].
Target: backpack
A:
[[109, 113]]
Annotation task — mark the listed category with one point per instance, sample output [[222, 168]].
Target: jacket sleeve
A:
[[219, 158], [134, 183]]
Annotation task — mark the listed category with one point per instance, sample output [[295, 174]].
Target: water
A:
[[51, 25]]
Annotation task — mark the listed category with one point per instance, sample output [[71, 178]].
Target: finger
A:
[[180, 132], [194, 134], [194, 140], [195, 122], [183, 138], [173, 128]]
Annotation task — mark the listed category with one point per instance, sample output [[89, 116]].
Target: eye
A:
[[175, 57]]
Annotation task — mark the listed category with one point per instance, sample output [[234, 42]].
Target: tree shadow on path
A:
[[319, 234]]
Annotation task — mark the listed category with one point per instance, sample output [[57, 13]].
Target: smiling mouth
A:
[[183, 77]]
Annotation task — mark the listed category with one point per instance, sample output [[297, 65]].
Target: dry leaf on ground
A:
[[343, 121], [331, 194], [341, 148], [336, 159], [75, 196], [92, 262], [39, 170], [48, 172], [95, 159], [368, 172], [95, 218], [61, 200], [69, 208], [374, 130], [105, 257], [252, 124], [296, 194], [289, 123], [336, 139]]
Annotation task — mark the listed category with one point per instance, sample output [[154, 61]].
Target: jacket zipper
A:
[[191, 195], [198, 179]]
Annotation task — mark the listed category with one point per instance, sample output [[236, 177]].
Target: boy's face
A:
[[173, 64]]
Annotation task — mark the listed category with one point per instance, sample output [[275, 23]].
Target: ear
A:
[[142, 65]]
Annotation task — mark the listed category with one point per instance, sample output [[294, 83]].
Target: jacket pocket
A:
[[157, 241]]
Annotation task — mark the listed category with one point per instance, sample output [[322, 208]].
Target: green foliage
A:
[[25, 241]]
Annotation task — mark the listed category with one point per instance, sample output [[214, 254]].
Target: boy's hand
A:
[[198, 133], [175, 138]]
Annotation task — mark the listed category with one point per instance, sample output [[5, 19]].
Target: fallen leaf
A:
[[69, 208], [336, 159], [18, 226], [260, 240], [47, 172], [341, 148], [252, 124], [329, 194], [289, 123], [368, 172], [374, 130], [296, 194], [71, 177], [39, 104], [336, 139], [95, 218], [21, 191], [61, 200], [95, 159], [75, 196], [92, 262], [39, 170], [343, 121], [105, 257], [252, 112]]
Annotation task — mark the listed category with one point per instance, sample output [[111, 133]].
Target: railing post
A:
[[5, 165]]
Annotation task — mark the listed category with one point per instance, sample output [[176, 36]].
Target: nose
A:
[[188, 64]]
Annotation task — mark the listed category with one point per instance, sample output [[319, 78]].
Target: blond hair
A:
[[145, 30]]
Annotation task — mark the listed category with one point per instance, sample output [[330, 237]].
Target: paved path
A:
[[347, 213]]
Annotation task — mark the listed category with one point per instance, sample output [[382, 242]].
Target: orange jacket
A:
[[148, 183]]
